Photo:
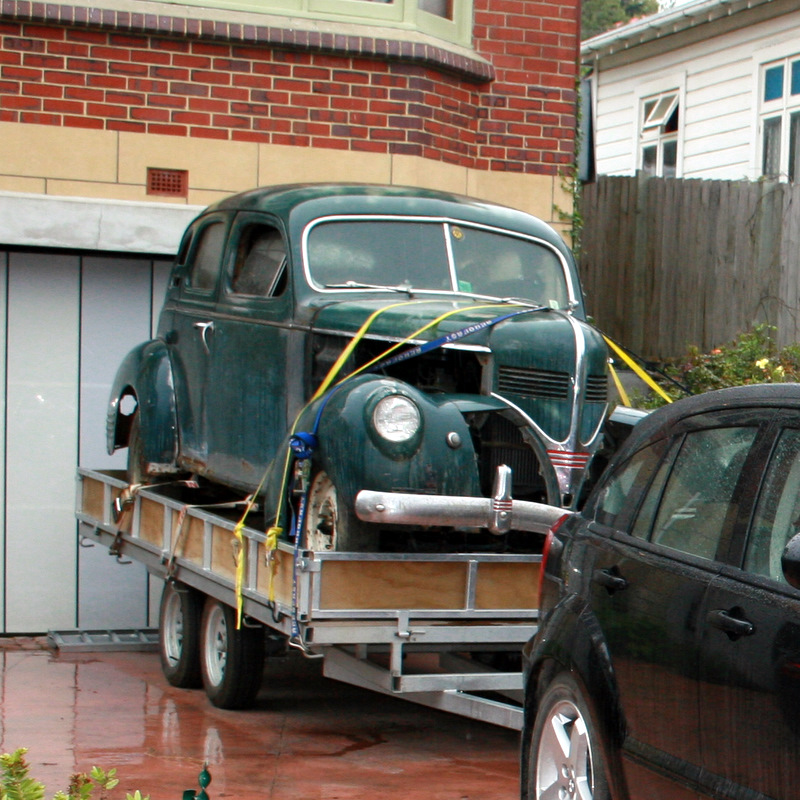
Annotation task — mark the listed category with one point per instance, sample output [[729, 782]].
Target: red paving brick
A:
[[309, 738]]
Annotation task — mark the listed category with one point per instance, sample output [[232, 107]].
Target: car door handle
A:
[[610, 579], [731, 621], [204, 328]]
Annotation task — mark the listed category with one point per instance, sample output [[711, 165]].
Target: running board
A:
[[145, 639]]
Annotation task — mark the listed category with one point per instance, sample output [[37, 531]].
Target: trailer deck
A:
[[423, 626]]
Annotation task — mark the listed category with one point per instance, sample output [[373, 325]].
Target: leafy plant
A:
[[752, 357], [16, 783]]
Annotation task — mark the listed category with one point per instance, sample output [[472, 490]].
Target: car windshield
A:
[[439, 256]]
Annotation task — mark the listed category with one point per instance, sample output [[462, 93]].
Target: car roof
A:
[[320, 199], [660, 421]]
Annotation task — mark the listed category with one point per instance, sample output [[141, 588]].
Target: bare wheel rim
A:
[[215, 651], [173, 628], [564, 755], [322, 514]]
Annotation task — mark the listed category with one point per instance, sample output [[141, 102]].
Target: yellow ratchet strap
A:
[[623, 395], [637, 369]]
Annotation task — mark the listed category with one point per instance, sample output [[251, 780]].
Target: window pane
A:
[[778, 512], [795, 78], [441, 8], [771, 162], [699, 501], [208, 257], [670, 159], [794, 147], [649, 160], [773, 83], [260, 257], [629, 482]]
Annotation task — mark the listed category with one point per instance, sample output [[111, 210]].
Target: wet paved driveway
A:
[[309, 738]]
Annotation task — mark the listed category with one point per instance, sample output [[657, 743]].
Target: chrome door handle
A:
[[204, 327]]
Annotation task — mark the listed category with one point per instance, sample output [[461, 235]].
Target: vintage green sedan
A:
[[321, 339]]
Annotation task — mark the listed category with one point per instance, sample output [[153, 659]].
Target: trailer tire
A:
[[179, 635], [231, 661]]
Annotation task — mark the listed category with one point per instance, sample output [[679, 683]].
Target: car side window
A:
[[627, 484], [699, 499], [208, 257], [260, 262], [777, 516]]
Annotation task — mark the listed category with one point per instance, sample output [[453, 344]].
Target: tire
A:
[[179, 635], [231, 661], [566, 758], [332, 526]]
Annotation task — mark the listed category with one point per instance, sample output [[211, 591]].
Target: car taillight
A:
[[548, 542]]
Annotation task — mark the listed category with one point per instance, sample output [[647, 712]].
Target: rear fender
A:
[[144, 382], [439, 460], [570, 639]]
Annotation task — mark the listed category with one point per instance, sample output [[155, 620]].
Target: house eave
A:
[[666, 23]]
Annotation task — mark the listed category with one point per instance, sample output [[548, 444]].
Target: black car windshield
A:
[[439, 256]]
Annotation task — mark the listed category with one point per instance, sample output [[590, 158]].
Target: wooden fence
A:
[[666, 263]]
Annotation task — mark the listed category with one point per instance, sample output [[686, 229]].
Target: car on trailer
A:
[[400, 339], [667, 659]]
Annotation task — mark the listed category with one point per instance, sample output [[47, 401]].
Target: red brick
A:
[[230, 93], [63, 106], [206, 76], [250, 136], [80, 93], [208, 133], [126, 125], [43, 62], [39, 119], [191, 118], [166, 101], [42, 90], [167, 130], [83, 122], [21, 73], [151, 114], [68, 49], [20, 103], [106, 110], [122, 68], [329, 143]]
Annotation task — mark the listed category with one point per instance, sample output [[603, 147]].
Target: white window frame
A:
[[648, 130], [783, 109]]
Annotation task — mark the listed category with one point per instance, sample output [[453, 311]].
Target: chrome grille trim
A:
[[596, 389], [530, 382]]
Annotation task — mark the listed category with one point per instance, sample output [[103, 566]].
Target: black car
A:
[[667, 661]]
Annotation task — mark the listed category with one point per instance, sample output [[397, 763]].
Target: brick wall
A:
[[118, 71]]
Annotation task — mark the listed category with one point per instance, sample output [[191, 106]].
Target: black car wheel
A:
[[179, 635], [566, 759], [232, 661]]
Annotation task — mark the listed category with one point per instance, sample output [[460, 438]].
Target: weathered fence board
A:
[[666, 263]]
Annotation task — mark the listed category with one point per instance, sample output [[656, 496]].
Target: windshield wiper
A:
[[403, 287]]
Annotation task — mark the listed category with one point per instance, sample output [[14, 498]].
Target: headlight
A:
[[396, 418]]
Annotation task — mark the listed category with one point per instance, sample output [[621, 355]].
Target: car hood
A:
[[423, 320]]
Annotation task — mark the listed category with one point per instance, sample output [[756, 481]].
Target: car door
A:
[[253, 368], [750, 650], [190, 323], [648, 585]]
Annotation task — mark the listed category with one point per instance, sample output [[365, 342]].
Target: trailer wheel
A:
[[232, 661], [330, 524], [179, 635]]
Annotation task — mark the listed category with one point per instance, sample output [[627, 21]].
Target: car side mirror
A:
[[790, 561]]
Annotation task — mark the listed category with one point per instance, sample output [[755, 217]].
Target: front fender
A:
[[145, 375], [440, 460]]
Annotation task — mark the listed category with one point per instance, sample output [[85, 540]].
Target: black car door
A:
[[750, 650], [648, 583]]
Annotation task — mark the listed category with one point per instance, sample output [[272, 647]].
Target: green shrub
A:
[[16, 783], [752, 357]]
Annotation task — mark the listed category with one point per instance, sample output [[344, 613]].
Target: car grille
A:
[[596, 389], [530, 382]]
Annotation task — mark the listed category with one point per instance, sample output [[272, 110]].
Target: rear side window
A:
[[260, 262], [624, 488], [208, 257], [777, 517], [699, 499]]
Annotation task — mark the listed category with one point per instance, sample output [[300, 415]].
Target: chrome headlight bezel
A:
[[396, 418]]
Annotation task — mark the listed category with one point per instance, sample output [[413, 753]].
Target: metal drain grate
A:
[[92, 641]]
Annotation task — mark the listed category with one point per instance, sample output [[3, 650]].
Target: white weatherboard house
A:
[[710, 89]]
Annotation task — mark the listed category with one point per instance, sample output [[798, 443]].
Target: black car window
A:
[[627, 484], [208, 257], [777, 516], [699, 497], [260, 261]]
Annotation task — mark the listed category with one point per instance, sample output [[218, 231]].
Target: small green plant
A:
[[752, 357], [16, 783]]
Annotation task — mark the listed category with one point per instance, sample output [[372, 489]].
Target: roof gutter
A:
[[662, 24]]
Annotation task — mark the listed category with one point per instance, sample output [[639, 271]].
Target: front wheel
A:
[[566, 754], [179, 635], [330, 524], [232, 661]]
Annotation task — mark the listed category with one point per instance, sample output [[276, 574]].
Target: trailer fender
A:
[[438, 459], [144, 384]]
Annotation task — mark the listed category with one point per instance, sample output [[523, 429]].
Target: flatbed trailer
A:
[[426, 627]]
